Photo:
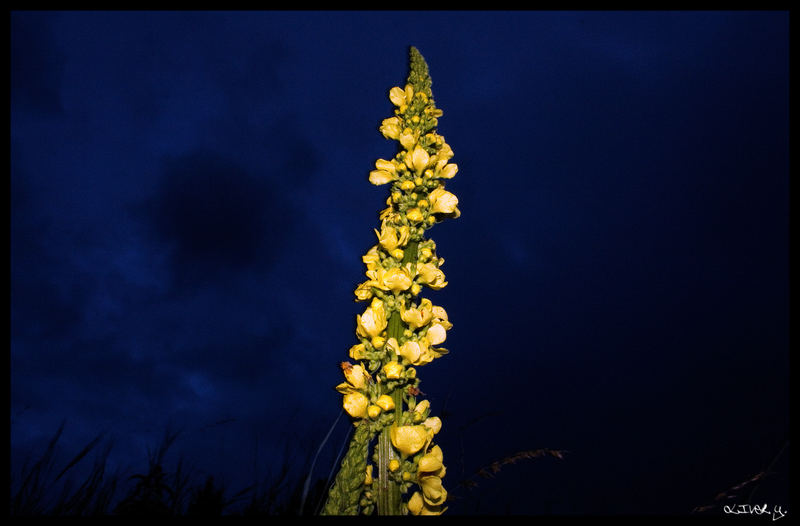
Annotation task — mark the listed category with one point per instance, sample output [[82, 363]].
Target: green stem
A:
[[388, 492]]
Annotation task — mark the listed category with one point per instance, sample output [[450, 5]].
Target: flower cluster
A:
[[399, 330]]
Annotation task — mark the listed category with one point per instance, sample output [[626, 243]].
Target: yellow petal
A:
[[442, 201], [419, 159], [356, 375], [386, 166], [411, 351], [408, 439], [390, 128], [409, 92], [368, 475], [433, 423], [385, 402], [449, 171], [415, 503], [355, 404], [393, 370], [364, 290], [379, 177], [414, 215], [429, 463], [436, 334], [407, 139], [397, 96], [432, 490], [396, 279], [357, 352], [373, 321]]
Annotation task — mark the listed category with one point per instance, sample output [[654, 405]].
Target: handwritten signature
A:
[[756, 509]]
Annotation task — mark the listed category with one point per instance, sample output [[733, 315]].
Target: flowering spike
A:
[[398, 331]]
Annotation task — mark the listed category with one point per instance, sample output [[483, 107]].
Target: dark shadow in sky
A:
[[216, 217], [36, 65]]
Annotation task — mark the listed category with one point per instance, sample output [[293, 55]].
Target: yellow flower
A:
[[390, 237], [407, 139], [432, 462], [418, 159], [385, 172], [417, 317], [356, 375], [421, 408], [440, 315], [408, 439], [397, 96], [378, 341], [355, 404], [430, 274], [395, 279], [368, 475], [419, 352], [432, 490], [379, 177], [407, 185], [417, 506], [415, 503], [391, 344], [394, 465], [385, 402], [434, 423], [390, 128], [443, 202], [372, 259], [446, 171], [397, 254], [411, 351], [436, 334], [373, 321], [445, 152], [364, 290], [357, 352], [393, 370]]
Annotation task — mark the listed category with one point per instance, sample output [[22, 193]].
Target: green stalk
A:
[[388, 492]]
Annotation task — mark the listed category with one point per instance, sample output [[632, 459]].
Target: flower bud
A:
[[378, 341], [385, 402], [393, 370], [373, 411], [414, 215], [394, 465]]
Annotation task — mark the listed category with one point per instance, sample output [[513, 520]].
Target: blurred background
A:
[[189, 207]]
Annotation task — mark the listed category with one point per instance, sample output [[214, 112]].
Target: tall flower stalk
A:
[[399, 330]]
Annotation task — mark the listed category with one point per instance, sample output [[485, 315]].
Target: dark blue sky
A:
[[189, 207]]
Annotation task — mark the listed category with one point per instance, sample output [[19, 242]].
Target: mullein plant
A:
[[399, 330]]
